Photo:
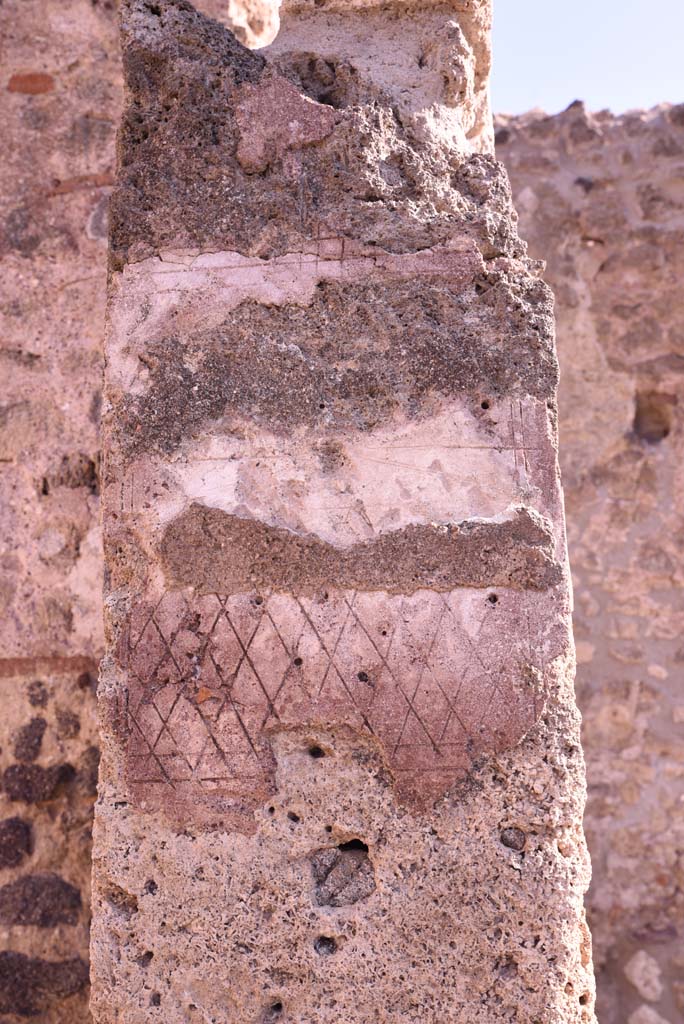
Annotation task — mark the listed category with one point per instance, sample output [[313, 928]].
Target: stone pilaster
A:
[[341, 777]]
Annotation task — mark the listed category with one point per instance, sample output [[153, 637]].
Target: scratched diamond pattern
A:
[[437, 679]]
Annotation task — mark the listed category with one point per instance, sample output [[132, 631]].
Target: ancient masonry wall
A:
[[602, 199], [341, 771], [60, 99]]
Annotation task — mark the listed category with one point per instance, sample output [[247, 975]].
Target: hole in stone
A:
[[155, 999], [316, 751], [328, 828], [508, 968], [86, 682], [383, 632], [353, 844], [325, 945], [513, 838], [584, 998], [586, 184], [258, 600], [273, 1012], [343, 875], [146, 959], [125, 903], [150, 886], [335, 83], [493, 599], [653, 416], [298, 662], [363, 677], [484, 405], [293, 817], [321, 405], [271, 810]]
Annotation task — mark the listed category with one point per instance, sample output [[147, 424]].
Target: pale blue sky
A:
[[619, 54]]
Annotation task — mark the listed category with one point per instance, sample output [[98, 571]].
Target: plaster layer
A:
[[314, 530]]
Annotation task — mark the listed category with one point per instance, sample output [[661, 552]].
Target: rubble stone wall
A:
[[601, 198], [60, 97]]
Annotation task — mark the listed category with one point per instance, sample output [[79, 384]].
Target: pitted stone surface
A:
[[338, 676], [393, 167], [308, 339], [235, 554]]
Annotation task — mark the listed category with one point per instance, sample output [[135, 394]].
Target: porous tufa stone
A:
[[339, 653]]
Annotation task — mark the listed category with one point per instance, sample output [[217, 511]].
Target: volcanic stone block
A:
[[341, 774]]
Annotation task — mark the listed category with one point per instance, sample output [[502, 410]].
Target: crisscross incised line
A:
[[385, 663], [331, 663], [234, 705], [166, 728], [409, 700], [246, 657], [147, 622], [287, 675], [330, 656], [153, 753], [436, 658]]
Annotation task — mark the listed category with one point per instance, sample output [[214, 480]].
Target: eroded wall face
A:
[[601, 199], [341, 776]]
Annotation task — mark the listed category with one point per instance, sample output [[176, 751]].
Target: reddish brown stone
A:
[[44, 900], [15, 842], [30, 986], [272, 118], [32, 83], [28, 740]]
